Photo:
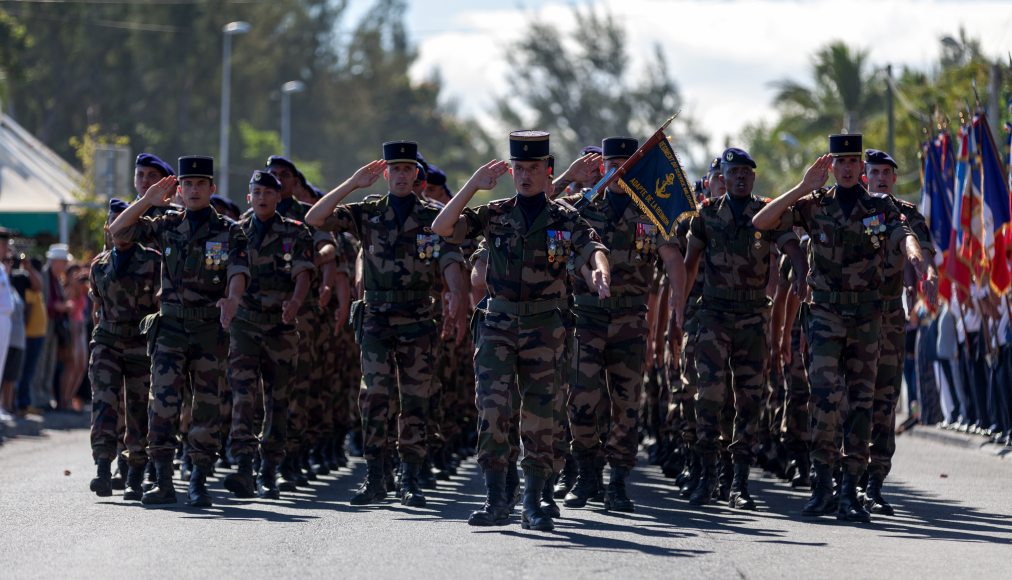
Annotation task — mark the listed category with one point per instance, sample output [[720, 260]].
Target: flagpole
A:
[[632, 160]]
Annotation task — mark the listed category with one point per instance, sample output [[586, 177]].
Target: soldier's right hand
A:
[[368, 174], [228, 307], [160, 194], [817, 174], [487, 175], [584, 169]]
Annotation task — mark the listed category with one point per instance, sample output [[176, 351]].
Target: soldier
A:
[[148, 169], [733, 320], [880, 171], [610, 340], [394, 324], [534, 243], [263, 343], [200, 292], [848, 229], [124, 282]]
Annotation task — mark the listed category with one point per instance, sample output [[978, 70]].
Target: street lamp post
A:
[[230, 29], [287, 90]]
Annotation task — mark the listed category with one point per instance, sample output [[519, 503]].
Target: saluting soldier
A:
[[124, 287], [534, 244], [201, 287], [263, 342], [402, 260], [850, 231]]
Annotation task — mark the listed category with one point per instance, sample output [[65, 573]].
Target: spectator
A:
[[75, 351], [6, 297], [58, 327], [16, 351], [36, 322]]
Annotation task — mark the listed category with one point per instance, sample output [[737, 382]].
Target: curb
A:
[[961, 440], [35, 425]]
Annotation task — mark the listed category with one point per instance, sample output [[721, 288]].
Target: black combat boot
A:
[[426, 479], [693, 474], [267, 481], [134, 483], [586, 486], [615, 498], [599, 465], [411, 492], [873, 500], [535, 518], [802, 467], [185, 464], [512, 486], [568, 478], [374, 488], [287, 480], [223, 460], [118, 481], [451, 462], [102, 483], [674, 464], [725, 474], [389, 469], [496, 511], [821, 502], [197, 494], [303, 472], [151, 476], [849, 507], [241, 482], [163, 492], [708, 480], [548, 498], [355, 443], [440, 468], [740, 498], [317, 459]]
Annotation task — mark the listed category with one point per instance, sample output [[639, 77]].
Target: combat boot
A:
[[495, 512], [134, 483], [303, 472], [163, 492], [533, 517], [426, 479], [411, 494], [355, 443], [241, 482], [568, 478], [223, 460], [151, 476], [440, 468], [267, 481], [599, 465], [374, 488], [340, 457], [317, 460], [287, 480], [802, 467], [850, 508], [512, 486], [586, 485], [118, 481], [674, 464], [197, 494], [725, 475], [704, 491], [388, 474], [185, 464], [102, 483], [548, 498], [693, 474], [873, 499], [740, 498], [821, 502], [615, 498]]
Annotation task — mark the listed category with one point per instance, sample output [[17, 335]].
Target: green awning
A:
[[31, 224]]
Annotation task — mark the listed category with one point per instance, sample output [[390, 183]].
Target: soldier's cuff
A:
[[587, 252], [693, 242], [234, 271], [786, 238]]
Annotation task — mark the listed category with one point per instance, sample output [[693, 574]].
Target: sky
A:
[[723, 55]]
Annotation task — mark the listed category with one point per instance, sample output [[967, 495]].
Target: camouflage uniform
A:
[[120, 369], [795, 430], [690, 327], [186, 339], [261, 346]]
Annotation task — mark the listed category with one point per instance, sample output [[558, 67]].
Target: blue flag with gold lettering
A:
[[655, 180]]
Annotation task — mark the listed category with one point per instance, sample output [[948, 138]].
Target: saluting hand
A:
[[487, 175], [160, 194], [584, 168], [817, 174], [368, 174]]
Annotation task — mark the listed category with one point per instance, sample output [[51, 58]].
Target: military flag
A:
[[937, 175], [990, 184]]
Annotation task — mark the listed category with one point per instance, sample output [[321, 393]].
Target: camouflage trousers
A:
[[261, 356], [517, 356], [397, 367], [688, 385], [120, 375], [607, 371], [344, 356], [844, 343], [303, 386], [796, 432], [730, 346], [323, 389], [443, 378], [185, 352], [888, 381]]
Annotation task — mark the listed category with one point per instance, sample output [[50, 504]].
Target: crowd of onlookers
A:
[[45, 322]]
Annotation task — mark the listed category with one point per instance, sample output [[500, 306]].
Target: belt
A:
[[191, 313], [738, 295], [821, 296], [123, 329], [386, 296], [258, 317], [529, 308], [892, 303], [614, 303]]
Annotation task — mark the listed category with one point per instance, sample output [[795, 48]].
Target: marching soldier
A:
[[534, 244], [124, 287], [201, 287], [394, 324], [849, 232], [263, 342]]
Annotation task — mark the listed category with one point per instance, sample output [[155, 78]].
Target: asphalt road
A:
[[954, 520]]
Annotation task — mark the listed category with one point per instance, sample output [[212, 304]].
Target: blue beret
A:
[[435, 176], [420, 159], [529, 145], [845, 144], [714, 165], [149, 160], [265, 179], [279, 160], [117, 206], [697, 187], [317, 192], [876, 157], [422, 173], [220, 200], [591, 149], [735, 156]]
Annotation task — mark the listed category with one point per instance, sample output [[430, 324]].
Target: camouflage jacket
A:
[[274, 262], [847, 254], [681, 239], [123, 299], [735, 255], [526, 264], [893, 286], [196, 265]]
